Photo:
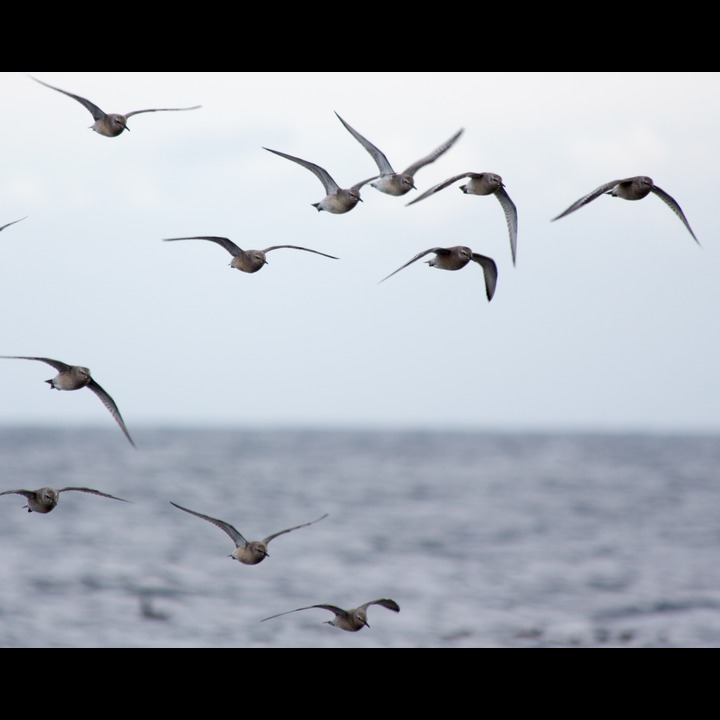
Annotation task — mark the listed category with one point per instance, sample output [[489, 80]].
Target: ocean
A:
[[484, 540]]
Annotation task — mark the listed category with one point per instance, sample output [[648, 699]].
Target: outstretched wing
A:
[[92, 492], [389, 604], [235, 536], [268, 540], [594, 195], [675, 207], [491, 273], [12, 223], [228, 244], [331, 187], [109, 403], [59, 366], [377, 155], [27, 494], [140, 112], [96, 112], [437, 251], [434, 155], [511, 216], [296, 247], [441, 186], [339, 612]]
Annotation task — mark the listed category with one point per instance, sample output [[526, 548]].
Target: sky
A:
[[609, 322]]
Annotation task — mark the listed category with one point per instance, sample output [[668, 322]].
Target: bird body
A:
[[45, 500], [484, 184], [457, 258], [74, 377], [347, 620], [337, 201], [633, 189], [248, 261], [109, 124], [391, 182], [246, 553]]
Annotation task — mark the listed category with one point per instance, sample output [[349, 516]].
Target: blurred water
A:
[[484, 540]]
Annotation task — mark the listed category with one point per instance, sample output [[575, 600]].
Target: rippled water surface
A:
[[483, 540]]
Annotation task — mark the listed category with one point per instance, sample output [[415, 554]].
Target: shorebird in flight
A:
[[45, 500], [337, 201], [74, 377], [456, 258], [634, 188], [248, 261], [391, 182], [347, 620], [109, 124], [247, 553], [484, 184]]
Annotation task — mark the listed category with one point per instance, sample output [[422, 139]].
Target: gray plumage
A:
[[633, 188], [246, 552], [348, 620], [45, 500], [109, 124], [337, 201], [75, 377], [484, 184], [391, 182], [248, 261], [12, 223], [456, 258]]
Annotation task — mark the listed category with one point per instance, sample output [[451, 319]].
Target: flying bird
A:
[[391, 182], [484, 184], [347, 620], [338, 201], [12, 223], [109, 124], [73, 377], [247, 553], [456, 258], [634, 188], [45, 500], [248, 261]]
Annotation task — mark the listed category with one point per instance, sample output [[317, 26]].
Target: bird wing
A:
[[96, 112], [28, 494], [92, 492], [331, 187], [296, 247], [491, 273], [140, 112], [228, 244], [435, 154], [268, 540], [359, 186], [109, 403], [437, 251], [59, 366], [389, 604], [594, 195], [377, 155], [12, 223], [441, 186], [673, 205], [235, 536], [511, 216], [336, 610]]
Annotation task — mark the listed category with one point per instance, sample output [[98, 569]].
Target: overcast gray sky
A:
[[608, 322]]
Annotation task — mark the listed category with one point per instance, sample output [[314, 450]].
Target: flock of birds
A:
[[337, 201]]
